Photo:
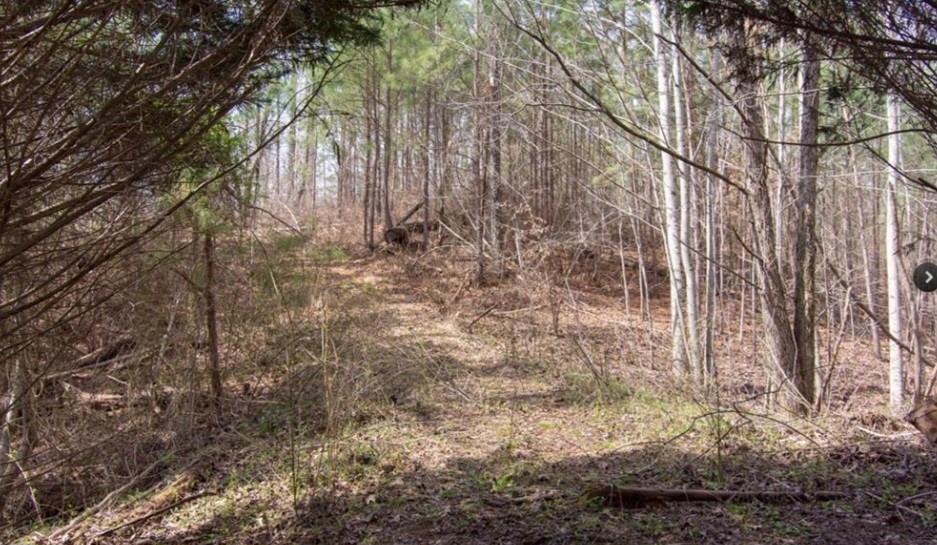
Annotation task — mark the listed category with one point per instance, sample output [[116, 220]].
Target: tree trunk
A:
[[314, 166], [427, 111], [494, 185], [687, 230], [712, 134], [866, 261], [295, 85], [368, 163], [892, 247], [211, 317], [388, 144], [477, 148], [671, 214], [774, 308], [781, 156], [805, 248]]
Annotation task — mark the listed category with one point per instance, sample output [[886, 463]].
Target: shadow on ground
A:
[[507, 497]]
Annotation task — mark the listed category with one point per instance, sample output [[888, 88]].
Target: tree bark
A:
[[494, 184], [368, 163], [477, 155], [805, 247], [713, 123], [427, 111], [388, 143], [211, 317], [671, 214], [892, 247], [687, 229], [778, 339]]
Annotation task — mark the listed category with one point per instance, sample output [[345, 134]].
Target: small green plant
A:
[[502, 482], [651, 524]]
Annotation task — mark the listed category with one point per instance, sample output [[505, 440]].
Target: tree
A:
[[892, 257], [106, 114], [672, 223], [803, 370]]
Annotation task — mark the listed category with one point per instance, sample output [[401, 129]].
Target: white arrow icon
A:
[[925, 277]]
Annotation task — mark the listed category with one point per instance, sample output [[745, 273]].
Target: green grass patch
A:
[[327, 254], [289, 243]]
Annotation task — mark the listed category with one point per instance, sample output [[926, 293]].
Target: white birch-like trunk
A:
[[689, 271], [895, 364], [671, 215], [782, 157], [712, 126]]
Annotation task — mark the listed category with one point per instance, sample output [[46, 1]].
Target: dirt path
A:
[[518, 429], [488, 430]]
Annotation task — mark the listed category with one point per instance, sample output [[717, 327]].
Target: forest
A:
[[468, 271]]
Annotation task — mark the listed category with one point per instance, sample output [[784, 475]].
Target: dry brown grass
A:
[[388, 399]]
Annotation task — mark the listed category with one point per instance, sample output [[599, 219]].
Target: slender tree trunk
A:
[[276, 146], [15, 414], [477, 149], [671, 213], [687, 230], [7, 419], [494, 185], [427, 112], [781, 156], [866, 261], [368, 165], [295, 84], [388, 143], [314, 164], [444, 183], [712, 135], [211, 318], [892, 247]]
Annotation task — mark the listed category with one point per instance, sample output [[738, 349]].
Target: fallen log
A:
[[626, 497], [115, 361], [156, 513], [65, 532], [96, 400], [109, 352]]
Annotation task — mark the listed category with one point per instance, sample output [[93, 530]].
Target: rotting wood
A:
[[635, 497]]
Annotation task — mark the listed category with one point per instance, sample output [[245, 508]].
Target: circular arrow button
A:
[[925, 276]]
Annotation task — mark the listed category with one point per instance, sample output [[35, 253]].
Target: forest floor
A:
[[409, 406]]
